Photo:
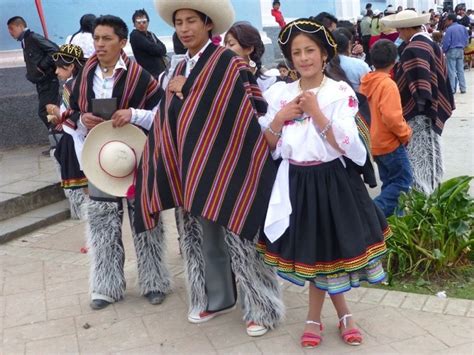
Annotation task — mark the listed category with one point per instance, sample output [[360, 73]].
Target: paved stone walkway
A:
[[44, 309]]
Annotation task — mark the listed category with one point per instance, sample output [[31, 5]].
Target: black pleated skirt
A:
[[72, 176], [336, 235]]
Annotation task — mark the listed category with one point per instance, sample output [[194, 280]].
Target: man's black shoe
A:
[[155, 297], [99, 304]]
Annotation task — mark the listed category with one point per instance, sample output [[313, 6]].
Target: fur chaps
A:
[[424, 152], [258, 284], [104, 231], [153, 272], [78, 201], [194, 264]]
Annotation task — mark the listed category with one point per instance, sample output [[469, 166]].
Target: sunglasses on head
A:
[[141, 22]]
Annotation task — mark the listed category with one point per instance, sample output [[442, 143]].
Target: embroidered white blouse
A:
[[300, 141]]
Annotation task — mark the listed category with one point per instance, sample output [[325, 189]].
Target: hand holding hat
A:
[[110, 157]]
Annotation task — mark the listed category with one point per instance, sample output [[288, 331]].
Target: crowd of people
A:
[[266, 174]]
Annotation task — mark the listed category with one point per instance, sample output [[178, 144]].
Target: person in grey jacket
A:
[[40, 68]]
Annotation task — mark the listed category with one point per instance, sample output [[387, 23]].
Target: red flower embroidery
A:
[[352, 101], [346, 140], [283, 103]]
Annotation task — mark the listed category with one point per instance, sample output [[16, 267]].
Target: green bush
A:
[[435, 234]]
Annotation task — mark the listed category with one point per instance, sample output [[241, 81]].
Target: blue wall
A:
[[62, 16], [306, 8]]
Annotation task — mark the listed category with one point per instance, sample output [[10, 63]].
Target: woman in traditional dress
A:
[[321, 225], [69, 60], [245, 41]]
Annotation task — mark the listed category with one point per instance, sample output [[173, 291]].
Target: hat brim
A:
[[96, 138], [394, 21], [221, 12]]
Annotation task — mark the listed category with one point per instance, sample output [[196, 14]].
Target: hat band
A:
[[134, 158]]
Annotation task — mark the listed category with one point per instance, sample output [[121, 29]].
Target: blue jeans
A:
[[396, 176], [455, 60]]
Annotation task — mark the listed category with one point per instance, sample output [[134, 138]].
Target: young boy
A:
[[389, 131]]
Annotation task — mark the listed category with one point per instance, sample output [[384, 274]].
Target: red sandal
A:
[[311, 340], [350, 336]]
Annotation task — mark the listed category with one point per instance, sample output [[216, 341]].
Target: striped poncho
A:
[[206, 152], [133, 87], [422, 76]]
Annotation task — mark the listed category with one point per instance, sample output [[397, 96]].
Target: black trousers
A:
[[48, 93], [365, 45]]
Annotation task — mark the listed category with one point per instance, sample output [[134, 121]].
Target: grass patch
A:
[[459, 285]]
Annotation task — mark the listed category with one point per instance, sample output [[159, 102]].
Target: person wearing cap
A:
[[455, 39], [321, 225], [112, 86], [69, 60], [207, 156], [426, 94]]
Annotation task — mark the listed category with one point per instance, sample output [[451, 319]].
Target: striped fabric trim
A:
[[74, 183], [325, 268]]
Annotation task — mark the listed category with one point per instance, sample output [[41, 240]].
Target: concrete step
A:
[[36, 195], [32, 220]]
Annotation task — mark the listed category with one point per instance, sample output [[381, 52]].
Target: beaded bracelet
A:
[[324, 131], [277, 134]]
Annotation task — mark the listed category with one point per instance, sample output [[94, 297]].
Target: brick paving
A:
[[44, 308]]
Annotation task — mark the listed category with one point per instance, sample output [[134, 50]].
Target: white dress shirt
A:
[[103, 88], [191, 62]]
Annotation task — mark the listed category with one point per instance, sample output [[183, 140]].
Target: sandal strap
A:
[[343, 319], [312, 322]]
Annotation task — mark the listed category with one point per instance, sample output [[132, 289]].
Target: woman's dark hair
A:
[[342, 37], [60, 63], [178, 47], [248, 36], [119, 26], [282, 65], [335, 72], [204, 18], [325, 18], [383, 53], [86, 25], [140, 13]]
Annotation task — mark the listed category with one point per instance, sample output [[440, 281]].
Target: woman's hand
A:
[[289, 112], [308, 103], [176, 85], [53, 109]]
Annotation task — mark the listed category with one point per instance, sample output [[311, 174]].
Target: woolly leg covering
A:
[[424, 152], [261, 294], [77, 201], [104, 229], [150, 246], [191, 247]]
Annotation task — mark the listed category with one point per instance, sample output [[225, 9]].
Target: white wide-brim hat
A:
[[111, 155], [406, 19], [221, 12]]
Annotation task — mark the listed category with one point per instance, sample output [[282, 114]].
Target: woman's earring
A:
[[252, 64], [324, 66]]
